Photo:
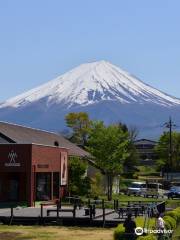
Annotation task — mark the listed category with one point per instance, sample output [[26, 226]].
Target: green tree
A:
[[109, 145], [162, 150], [133, 157], [80, 124], [78, 182], [96, 185]]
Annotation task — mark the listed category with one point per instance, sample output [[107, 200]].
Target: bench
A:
[[90, 210], [126, 210], [73, 210]]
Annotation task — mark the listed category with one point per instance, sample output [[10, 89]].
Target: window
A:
[[43, 186], [56, 143]]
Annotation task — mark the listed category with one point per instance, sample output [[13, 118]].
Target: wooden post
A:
[[41, 210], [74, 211], [58, 205], [52, 190], [12, 212], [90, 209], [102, 203], [103, 208], [94, 210], [12, 215]]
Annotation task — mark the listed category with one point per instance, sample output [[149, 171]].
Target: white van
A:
[[136, 188], [153, 190]]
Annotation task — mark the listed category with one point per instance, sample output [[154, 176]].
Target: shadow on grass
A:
[[9, 235]]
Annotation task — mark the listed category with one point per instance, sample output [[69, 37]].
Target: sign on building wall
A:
[[12, 157], [64, 170]]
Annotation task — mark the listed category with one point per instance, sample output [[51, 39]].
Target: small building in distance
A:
[[146, 151], [34, 163]]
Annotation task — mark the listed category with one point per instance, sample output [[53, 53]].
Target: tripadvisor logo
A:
[[139, 231]]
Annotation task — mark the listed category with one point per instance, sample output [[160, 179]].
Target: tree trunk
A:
[[110, 185]]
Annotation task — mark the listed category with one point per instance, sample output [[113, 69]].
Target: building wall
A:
[[15, 167], [15, 158], [46, 159], [19, 163]]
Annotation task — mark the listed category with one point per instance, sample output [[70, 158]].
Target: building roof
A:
[[14, 133], [145, 141]]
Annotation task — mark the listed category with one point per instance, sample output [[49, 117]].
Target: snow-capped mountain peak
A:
[[91, 83]]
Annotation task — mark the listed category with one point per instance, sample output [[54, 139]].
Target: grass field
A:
[[63, 233], [54, 233], [169, 202]]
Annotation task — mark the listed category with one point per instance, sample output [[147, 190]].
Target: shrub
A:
[[172, 214], [119, 233], [167, 225], [140, 222], [148, 237], [177, 213], [170, 221]]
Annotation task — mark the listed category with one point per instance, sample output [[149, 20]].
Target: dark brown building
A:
[[30, 172], [13, 133], [33, 163], [146, 151]]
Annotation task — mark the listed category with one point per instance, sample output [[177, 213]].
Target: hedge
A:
[[119, 230], [175, 215], [171, 218], [170, 221], [148, 237]]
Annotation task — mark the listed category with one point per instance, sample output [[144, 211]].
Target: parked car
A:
[[174, 192], [153, 190], [136, 188]]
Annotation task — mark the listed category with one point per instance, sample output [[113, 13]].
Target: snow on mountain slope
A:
[[92, 83]]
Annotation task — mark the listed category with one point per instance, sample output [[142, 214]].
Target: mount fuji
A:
[[103, 90]]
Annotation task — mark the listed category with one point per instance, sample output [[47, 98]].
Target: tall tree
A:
[[109, 145], [80, 124], [163, 150], [78, 182], [132, 159]]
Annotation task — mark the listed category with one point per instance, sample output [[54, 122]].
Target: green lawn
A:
[[67, 233], [61, 233], [54, 233], [169, 202]]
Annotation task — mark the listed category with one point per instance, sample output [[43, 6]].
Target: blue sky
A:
[[41, 39]]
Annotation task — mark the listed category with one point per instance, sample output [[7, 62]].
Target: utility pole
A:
[[169, 125]]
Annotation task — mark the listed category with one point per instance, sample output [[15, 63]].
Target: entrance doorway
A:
[[13, 190]]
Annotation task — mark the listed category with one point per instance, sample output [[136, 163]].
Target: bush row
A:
[[171, 218], [119, 230]]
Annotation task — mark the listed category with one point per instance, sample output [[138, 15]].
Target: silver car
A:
[[136, 188]]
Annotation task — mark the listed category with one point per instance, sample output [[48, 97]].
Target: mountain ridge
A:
[[103, 90], [90, 83]]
